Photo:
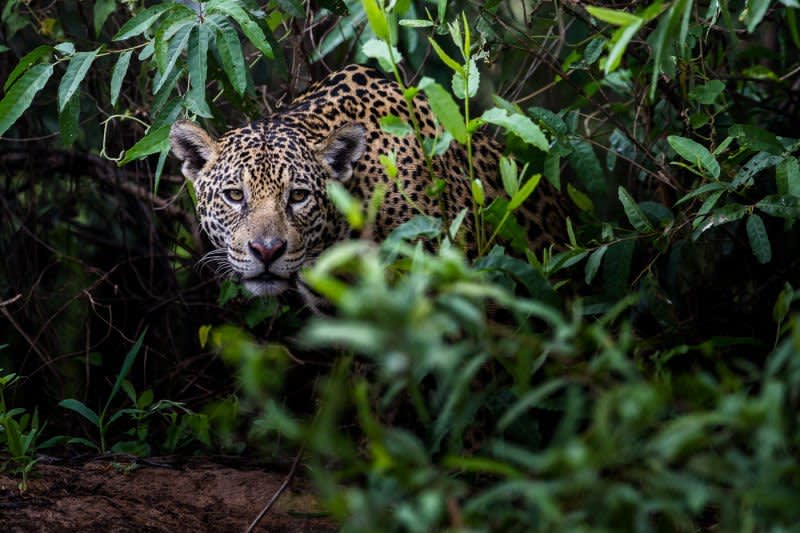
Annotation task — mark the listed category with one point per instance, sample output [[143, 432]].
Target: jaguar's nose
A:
[[267, 250]]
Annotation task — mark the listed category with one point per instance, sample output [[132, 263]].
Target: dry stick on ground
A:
[[280, 490]]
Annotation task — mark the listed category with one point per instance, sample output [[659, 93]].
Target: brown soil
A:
[[105, 496]]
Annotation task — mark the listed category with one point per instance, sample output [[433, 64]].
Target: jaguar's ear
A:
[[341, 149], [192, 145]]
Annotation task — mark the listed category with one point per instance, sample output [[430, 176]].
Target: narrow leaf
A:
[[153, 142], [230, 52], [695, 153], [34, 56], [197, 59], [445, 109], [524, 192], [76, 71], [593, 264], [80, 408], [118, 74], [250, 28], [19, 97], [759, 240], [635, 215], [142, 21], [127, 363]]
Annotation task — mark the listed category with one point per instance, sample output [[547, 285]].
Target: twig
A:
[[280, 490]]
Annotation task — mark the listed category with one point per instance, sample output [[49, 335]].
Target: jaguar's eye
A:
[[234, 196], [298, 195]]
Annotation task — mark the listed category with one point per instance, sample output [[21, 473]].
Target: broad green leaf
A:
[[635, 215], [587, 168], [759, 240], [118, 74], [478, 194], [418, 226], [153, 142], [509, 175], [394, 125], [695, 153], [519, 125], [66, 48], [754, 13], [386, 55], [445, 109], [250, 28], [723, 215], [464, 89], [292, 7], [783, 206], [34, 56], [593, 264], [377, 20], [102, 9], [707, 93], [756, 139], [197, 60], [142, 21], [230, 53], [19, 97], [787, 176], [169, 26], [76, 71], [552, 168], [524, 192], [613, 16], [757, 163], [580, 199], [68, 120], [80, 408], [657, 213]]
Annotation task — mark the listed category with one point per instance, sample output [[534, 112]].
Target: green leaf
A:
[[783, 206], [34, 56], [197, 58], [756, 139], [593, 264], [695, 153], [454, 65], [613, 16], [125, 369], [622, 37], [478, 194], [464, 89], [142, 21], [386, 55], [102, 9], [671, 31], [250, 28], [723, 215], [509, 175], [394, 125], [445, 109], [156, 140], [759, 240], [754, 13], [524, 192], [787, 176], [68, 121], [230, 53], [76, 71], [635, 215], [19, 97], [708, 187], [759, 162], [80, 408], [118, 74], [346, 204], [706, 94], [580, 199], [176, 47], [377, 20], [519, 125], [416, 23]]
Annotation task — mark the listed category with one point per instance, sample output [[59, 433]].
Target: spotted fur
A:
[[284, 220]]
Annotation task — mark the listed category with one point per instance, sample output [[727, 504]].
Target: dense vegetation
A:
[[642, 375]]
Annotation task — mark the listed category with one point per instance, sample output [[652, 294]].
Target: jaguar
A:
[[261, 189]]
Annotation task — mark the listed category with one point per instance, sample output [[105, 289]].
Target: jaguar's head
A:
[[262, 198]]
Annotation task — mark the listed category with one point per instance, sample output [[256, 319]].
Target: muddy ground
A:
[[123, 496]]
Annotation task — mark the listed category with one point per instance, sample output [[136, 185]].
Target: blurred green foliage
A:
[[641, 375]]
